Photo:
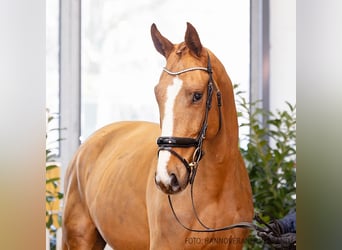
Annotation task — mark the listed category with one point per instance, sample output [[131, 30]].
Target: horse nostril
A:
[[174, 183]]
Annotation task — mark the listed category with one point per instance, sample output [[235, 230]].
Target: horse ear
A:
[[192, 40], [162, 45]]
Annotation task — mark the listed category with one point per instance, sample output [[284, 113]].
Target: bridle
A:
[[167, 143]]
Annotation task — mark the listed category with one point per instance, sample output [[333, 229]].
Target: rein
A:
[[169, 142]]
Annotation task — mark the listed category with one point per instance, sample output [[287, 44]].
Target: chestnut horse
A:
[[118, 183]]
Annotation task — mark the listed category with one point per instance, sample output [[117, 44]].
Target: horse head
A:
[[188, 107]]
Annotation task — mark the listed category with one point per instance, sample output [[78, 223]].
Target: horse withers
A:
[[128, 184]]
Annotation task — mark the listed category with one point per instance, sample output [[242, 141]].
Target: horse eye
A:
[[196, 97]]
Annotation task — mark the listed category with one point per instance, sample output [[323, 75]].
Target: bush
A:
[[270, 157], [52, 193]]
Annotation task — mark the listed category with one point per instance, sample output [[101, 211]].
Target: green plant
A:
[[270, 156], [52, 193]]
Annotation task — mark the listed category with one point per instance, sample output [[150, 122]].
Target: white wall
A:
[[282, 53]]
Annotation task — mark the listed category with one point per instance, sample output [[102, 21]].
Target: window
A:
[[52, 71], [120, 66]]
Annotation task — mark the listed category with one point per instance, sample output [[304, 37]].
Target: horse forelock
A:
[[182, 57]]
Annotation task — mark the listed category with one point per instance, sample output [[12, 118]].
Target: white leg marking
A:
[[167, 129]]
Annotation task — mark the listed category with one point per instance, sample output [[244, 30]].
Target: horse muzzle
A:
[[173, 187], [172, 176]]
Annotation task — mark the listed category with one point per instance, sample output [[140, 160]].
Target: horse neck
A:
[[221, 163], [222, 154]]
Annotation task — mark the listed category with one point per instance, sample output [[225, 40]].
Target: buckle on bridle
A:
[[196, 157]]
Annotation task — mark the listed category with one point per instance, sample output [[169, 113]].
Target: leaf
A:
[[49, 222], [52, 180], [49, 198], [60, 195], [50, 167]]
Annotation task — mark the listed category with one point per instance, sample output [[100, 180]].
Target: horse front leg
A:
[[81, 234], [79, 231]]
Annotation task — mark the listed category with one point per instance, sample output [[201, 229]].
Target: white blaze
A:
[[167, 129]]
